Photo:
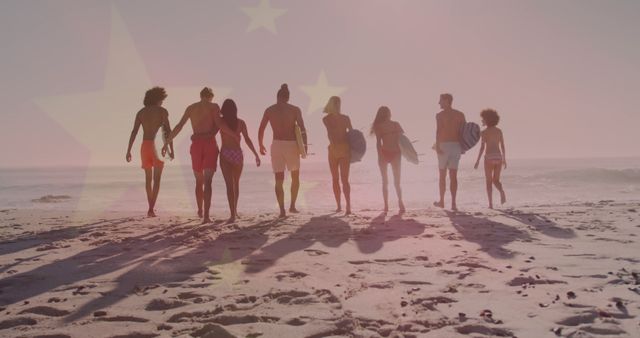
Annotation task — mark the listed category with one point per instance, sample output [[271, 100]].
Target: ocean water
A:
[[527, 182]]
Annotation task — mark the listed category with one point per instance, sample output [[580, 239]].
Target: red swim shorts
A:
[[149, 155], [204, 153]]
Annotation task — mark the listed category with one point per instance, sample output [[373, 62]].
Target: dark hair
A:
[[154, 96], [229, 113], [490, 117], [283, 92], [384, 114], [206, 92], [448, 97]]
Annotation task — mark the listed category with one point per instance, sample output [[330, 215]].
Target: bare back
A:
[[282, 117], [201, 117], [449, 124], [337, 127], [389, 134], [151, 118], [492, 137], [231, 142]]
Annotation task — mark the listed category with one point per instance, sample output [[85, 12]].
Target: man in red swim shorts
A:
[[205, 121], [152, 117]]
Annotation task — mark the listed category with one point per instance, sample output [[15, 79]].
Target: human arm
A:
[[166, 130], [438, 133], [247, 140], [349, 126], [221, 124], [263, 125], [482, 143], [132, 137], [178, 128], [504, 154]]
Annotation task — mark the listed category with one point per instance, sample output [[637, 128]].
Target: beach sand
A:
[[567, 270]]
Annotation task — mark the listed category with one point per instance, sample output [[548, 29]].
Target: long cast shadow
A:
[[490, 235], [381, 230], [330, 231], [541, 223]]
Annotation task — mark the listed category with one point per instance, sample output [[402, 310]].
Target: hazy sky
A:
[[564, 75]]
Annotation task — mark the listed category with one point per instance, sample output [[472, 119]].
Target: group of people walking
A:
[[207, 119]]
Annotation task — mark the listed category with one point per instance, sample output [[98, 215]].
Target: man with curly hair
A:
[[152, 117]]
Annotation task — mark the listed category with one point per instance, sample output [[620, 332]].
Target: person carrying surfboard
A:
[[494, 159], [152, 117], [338, 125], [205, 121], [449, 123], [285, 154], [387, 134]]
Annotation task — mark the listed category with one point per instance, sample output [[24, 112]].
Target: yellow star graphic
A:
[[320, 93], [263, 16], [102, 120]]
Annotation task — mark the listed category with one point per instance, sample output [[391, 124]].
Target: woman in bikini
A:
[[231, 157], [494, 159], [387, 134], [337, 126]]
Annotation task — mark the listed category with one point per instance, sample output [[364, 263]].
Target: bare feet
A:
[[231, 220], [200, 213], [283, 214], [339, 209], [454, 207], [490, 206], [503, 197], [438, 204], [206, 220], [402, 209], [151, 213], [348, 212], [293, 210], [386, 209]]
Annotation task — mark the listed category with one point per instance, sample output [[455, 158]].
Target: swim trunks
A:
[[149, 155], [450, 157], [339, 151], [285, 155], [204, 153], [231, 155]]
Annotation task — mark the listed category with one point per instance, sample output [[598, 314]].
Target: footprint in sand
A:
[[46, 311], [290, 275], [19, 321], [313, 252], [159, 304], [484, 330], [123, 319]]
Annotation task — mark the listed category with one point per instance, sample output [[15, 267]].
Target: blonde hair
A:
[[333, 105]]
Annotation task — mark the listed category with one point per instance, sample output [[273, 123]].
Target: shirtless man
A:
[[151, 118], [449, 123], [283, 118], [205, 121]]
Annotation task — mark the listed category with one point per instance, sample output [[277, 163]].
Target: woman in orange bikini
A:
[[387, 134], [231, 157], [337, 126]]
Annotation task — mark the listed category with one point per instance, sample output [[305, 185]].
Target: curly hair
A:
[[490, 117], [154, 96]]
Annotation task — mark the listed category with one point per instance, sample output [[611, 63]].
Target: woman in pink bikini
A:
[[231, 157], [387, 135], [494, 159]]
